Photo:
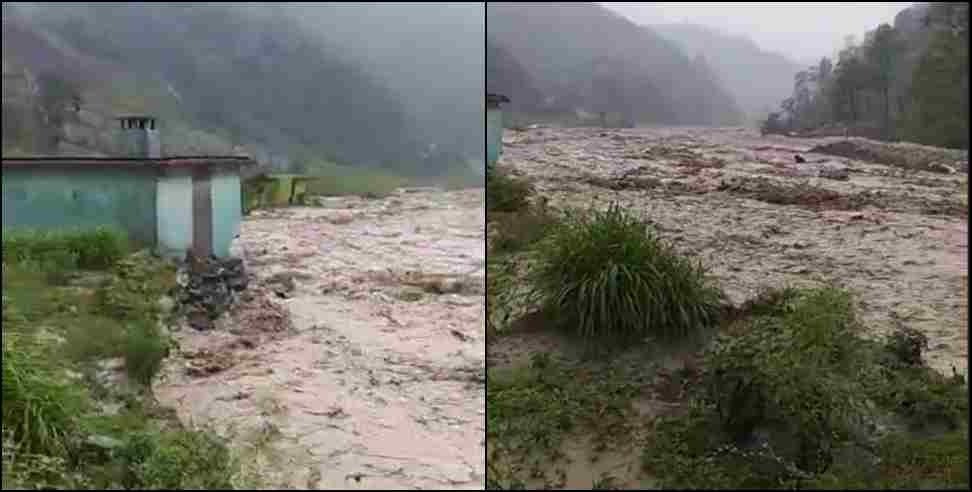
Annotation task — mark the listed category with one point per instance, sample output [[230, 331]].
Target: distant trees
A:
[[866, 88]]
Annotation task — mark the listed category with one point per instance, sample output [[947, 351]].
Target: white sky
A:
[[803, 31]]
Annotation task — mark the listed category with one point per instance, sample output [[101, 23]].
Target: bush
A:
[[145, 349], [177, 460], [797, 398], [517, 231], [908, 463], [134, 291], [791, 374], [606, 278], [907, 345], [506, 194], [94, 249]]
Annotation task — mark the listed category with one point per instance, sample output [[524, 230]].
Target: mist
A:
[[801, 31], [396, 85], [430, 54]]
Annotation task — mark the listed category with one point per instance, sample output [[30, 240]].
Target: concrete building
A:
[[494, 128], [171, 204]]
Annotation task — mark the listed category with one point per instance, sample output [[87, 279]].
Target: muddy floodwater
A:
[[895, 237], [356, 359]]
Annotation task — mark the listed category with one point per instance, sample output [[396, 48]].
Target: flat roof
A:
[[496, 98], [165, 162]]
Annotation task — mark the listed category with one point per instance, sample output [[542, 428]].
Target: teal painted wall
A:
[[227, 211], [494, 135], [174, 202], [46, 198]]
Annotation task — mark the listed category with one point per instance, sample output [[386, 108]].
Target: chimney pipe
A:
[[140, 137]]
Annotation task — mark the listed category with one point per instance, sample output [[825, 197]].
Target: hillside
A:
[[506, 75], [576, 53], [907, 81], [219, 77], [428, 54], [758, 80]]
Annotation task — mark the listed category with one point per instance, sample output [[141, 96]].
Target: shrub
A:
[[907, 462], [921, 396], [792, 374], [95, 249], [506, 194], [517, 231], [907, 345], [139, 282], [177, 460], [606, 278], [145, 349]]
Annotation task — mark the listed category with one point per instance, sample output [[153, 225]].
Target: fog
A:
[[391, 84], [803, 31], [431, 54]]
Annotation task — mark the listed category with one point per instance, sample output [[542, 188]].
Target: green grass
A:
[[52, 335], [908, 462], [790, 369], [609, 280], [40, 405], [802, 375], [531, 411], [505, 193], [335, 180], [87, 249]]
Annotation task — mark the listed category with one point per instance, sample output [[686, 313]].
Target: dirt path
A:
[[895, 238], [381, 381]]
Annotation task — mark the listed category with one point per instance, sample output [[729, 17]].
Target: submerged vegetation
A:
[[788, 393], [73, 304]]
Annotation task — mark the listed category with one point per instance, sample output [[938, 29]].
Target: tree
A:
[[881, 55], [939, 112]]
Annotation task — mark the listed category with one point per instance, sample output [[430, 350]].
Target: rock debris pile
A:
[[209, 288]]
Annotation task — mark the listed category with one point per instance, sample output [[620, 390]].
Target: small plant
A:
[[40, 406], [145, 349], [177, 460], [518, 231], [793, 373], [506, 194], [609, 279], [138, 283], [907, 463], [531, 410], [907, 345]]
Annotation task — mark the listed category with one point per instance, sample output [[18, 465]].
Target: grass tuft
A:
[[40, 405], [609, 279]]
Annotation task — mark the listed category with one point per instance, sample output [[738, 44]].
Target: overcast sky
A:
[[803, 31]]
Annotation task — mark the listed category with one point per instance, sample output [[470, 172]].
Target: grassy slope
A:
[[64, 424]]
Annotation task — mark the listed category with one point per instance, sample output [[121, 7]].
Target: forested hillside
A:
[[506, 75], [583, 57], [220, 77], [909, 81]]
